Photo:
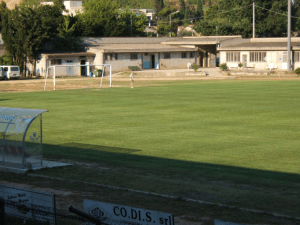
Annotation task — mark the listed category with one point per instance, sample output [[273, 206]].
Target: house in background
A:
[[72, 6], [260, 53]]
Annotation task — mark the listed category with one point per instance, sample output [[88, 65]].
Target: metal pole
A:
[[41, 131], [46, 78], [54, 77], [289, 37], [253, 19], [109, 75]]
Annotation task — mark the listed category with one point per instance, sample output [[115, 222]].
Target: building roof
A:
[[122, 48], [55, 55], [265, 44], [157, 40]]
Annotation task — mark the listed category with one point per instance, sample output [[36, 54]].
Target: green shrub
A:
[[297, 71], [240, 65], [195, 67], [134, 68], [223, 66]]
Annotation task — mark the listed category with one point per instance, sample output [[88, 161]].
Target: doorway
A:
[[201, 59], [83, 68], [244, 61], [152, 61]]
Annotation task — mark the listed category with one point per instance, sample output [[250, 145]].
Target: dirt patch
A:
[[32, 85]]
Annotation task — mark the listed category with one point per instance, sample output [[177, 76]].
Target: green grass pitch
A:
[[253, 124]]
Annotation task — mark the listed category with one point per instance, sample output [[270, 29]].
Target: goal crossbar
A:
[[54, 67]]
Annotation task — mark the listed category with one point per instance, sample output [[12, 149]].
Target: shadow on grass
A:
[[268, 191], [123, 157]]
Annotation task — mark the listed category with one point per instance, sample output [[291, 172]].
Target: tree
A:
[[164, 25], [105, 19], [65, 40], [229, 21], [159, 5], [26, 30], [200, 8], [131, 24]]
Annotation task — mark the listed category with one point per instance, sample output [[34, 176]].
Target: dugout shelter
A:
[[21, 138]]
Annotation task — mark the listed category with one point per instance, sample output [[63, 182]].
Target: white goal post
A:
[[70, 71]]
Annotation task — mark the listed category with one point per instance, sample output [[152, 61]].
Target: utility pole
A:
[[253, 19], [289, 37]]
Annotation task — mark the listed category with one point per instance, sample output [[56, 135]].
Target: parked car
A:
[[9, 72]]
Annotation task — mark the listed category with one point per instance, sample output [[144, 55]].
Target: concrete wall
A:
[[124, 60], [144, 61], [72, 70], [176, 61]]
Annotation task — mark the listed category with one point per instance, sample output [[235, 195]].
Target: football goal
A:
[[71, 72]]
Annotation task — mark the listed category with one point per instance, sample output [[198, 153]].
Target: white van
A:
[[9, 72]]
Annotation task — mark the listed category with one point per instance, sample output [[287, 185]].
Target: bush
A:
[[98, 73], [134, 68], [223, 66], [195, 67], [240, 65], [297, 71]]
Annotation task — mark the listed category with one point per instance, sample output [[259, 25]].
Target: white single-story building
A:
[[260, 53]]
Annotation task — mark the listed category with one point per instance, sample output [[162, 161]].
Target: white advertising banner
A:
[[31, 200], [126, 214]]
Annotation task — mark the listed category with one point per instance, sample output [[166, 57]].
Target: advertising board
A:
[[126, 214], [34, 203]]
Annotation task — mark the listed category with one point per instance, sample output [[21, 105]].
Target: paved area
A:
[[14, 164]]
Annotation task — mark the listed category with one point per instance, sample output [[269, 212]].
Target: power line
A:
[[277, 12], [202, 17]]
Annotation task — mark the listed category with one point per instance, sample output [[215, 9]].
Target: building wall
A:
[[278, 58], [176, 61], [72, 6], [144, 60], [74, 68], [123, 61]]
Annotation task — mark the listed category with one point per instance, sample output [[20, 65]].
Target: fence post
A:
[[2, 213], [55, 218]]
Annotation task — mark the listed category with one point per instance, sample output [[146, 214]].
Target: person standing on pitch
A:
[[131, 80]]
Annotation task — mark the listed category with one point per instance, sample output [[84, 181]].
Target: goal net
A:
[[79, 76]]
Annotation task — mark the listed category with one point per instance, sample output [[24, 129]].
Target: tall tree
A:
[[159, 5], [199, 8], [65, 40], [25, 31], [105, 19]]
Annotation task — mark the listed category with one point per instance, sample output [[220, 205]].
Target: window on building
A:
[[284, 56], [258, 56], [133, 56], [233, 57], [192, 55], [55, 61], [111, 56], [296, 56], [69, 61], [183, 54], [116, 56], [167, 55]]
